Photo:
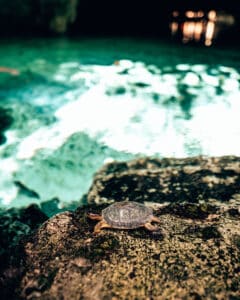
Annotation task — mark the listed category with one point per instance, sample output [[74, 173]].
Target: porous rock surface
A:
[[194, 255], [169, 180]]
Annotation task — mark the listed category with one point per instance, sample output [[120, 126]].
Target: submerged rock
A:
[[5, 122], [194, 254]]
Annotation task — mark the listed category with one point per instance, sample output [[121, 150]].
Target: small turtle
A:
[[125, 215]]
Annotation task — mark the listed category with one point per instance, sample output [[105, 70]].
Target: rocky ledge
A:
[[194, 254]]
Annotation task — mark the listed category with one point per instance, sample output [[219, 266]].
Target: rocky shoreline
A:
[[194, 255]]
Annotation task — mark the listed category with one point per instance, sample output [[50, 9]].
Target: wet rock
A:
[[190, 180], [25, 190], [194, 255], [15, 225]]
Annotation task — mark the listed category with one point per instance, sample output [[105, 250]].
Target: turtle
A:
[[125, 215]]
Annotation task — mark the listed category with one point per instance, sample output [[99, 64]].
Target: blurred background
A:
[[86, 82], [186, 20]]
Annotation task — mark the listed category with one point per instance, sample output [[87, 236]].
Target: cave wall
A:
[[31, 16]]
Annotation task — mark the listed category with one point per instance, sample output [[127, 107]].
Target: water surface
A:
[[78, 104]]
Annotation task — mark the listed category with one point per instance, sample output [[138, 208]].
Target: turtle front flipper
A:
[[151, 227], [100, 225]]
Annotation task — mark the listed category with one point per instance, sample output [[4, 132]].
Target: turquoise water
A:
[[77, 104], [20, 53]]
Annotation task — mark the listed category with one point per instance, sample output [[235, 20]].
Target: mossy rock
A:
[[186, 259], [194, 254]]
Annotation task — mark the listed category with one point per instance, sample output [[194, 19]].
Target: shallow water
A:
[[78, 104]]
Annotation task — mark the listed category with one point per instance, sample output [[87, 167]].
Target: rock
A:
[[15, 225], [194, 255], [168, 180]]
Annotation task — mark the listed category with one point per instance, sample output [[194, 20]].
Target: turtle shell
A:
[[127, 214]]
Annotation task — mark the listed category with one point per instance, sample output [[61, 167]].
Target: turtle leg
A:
[[155, 219], [151, 227], [94, 216], [100, 225]]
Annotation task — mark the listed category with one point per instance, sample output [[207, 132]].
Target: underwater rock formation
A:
[[5, 122], [194, 255]]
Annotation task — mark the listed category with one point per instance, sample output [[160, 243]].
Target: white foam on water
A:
[[127, 122], [8, 190]]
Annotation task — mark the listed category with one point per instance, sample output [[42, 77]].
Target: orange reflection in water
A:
[[198, 31], [199, 26], [188, 31], [209, 33], [190, 14], [174, 27]]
